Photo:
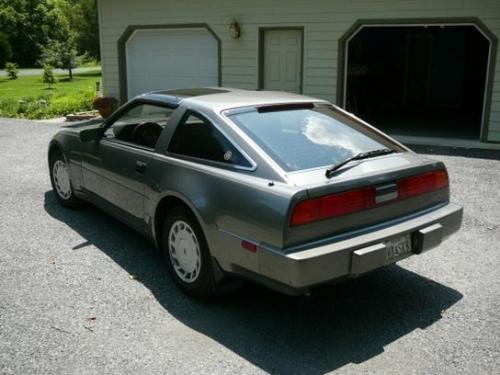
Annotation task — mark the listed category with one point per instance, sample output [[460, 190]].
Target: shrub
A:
[[48, 75], [63, 105], [8, 108], [12, 70], [54, 106]]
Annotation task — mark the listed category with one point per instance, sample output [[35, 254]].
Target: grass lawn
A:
[[63, 97]]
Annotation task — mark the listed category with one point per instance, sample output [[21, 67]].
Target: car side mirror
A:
[[92, 134]]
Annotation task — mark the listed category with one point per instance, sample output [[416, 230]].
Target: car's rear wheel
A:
[[61, 181], [187, 254]]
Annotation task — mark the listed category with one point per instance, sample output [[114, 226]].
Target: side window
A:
[[141, 125], [197, 137]]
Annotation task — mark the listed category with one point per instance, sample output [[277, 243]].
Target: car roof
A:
[[176, 96], [221, 98]]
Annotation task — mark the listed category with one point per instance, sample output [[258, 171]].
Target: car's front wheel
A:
[[187, 254], [60, 179]]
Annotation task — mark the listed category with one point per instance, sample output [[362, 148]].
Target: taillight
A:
[[348, 202], [423, 183], [333, 205]]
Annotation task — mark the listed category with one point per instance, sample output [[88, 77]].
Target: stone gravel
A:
[[81, 293]]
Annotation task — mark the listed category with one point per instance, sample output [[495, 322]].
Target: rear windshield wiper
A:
[[362, 155]]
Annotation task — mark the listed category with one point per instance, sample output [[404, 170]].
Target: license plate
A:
[[399, 247]]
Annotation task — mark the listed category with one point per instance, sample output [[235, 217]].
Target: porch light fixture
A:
[[235, 30]]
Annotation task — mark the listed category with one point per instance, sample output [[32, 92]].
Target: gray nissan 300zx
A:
[[282, 189]]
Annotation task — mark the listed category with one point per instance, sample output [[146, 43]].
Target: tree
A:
[[30, 24], [60, 55], [5, 50], [48, 76], [12, 70], [82, 17], [87, 29]]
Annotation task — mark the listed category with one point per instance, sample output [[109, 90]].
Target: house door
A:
[[282, 60]]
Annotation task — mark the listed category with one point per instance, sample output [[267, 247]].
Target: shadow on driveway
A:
[[347, 323]]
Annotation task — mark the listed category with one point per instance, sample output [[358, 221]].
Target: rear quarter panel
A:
[[230, 205]]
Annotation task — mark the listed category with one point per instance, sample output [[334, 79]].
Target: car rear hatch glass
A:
[[304, 136]]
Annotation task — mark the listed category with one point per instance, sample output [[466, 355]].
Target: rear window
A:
[[308, 138]]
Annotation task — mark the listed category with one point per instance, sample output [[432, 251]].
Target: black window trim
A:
[[127, 144], [188, 112]]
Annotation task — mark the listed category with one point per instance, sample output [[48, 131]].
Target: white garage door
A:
[[171, 58]]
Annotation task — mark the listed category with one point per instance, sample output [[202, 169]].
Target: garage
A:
[[158, 58], [419, 80]]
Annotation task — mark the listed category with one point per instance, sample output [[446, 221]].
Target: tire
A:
[[61, 182], [187, 254]]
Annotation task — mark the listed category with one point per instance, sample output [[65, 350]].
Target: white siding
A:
[[324, 21]]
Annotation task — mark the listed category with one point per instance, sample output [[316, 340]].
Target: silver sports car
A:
[[285, 190]]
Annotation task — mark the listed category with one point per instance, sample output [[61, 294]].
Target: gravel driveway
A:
[[81, 293]]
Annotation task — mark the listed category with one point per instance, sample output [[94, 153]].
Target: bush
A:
[[63, 105], [5, 50], [12, 70], [8, 108], [53, 105], [48, 75]]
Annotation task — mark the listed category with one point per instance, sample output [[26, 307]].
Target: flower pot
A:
[[106, 106]]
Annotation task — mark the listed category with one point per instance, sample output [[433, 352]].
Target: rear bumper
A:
[[351, 257]]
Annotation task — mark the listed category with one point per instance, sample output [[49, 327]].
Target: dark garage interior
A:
[[419, 80]]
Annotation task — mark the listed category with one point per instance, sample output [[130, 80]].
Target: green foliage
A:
[[12, 70], [48, 75], [82, 17], [5, 50], [56, 105], [29, 24], [66, 97], [60, 55], [71, 104], [89, 62]]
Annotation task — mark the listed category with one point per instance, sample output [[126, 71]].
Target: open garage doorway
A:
[[418, 80]]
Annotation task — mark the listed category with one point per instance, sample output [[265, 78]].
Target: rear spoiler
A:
[[284, 107]]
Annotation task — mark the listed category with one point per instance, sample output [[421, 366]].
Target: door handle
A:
[[140, 167]]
